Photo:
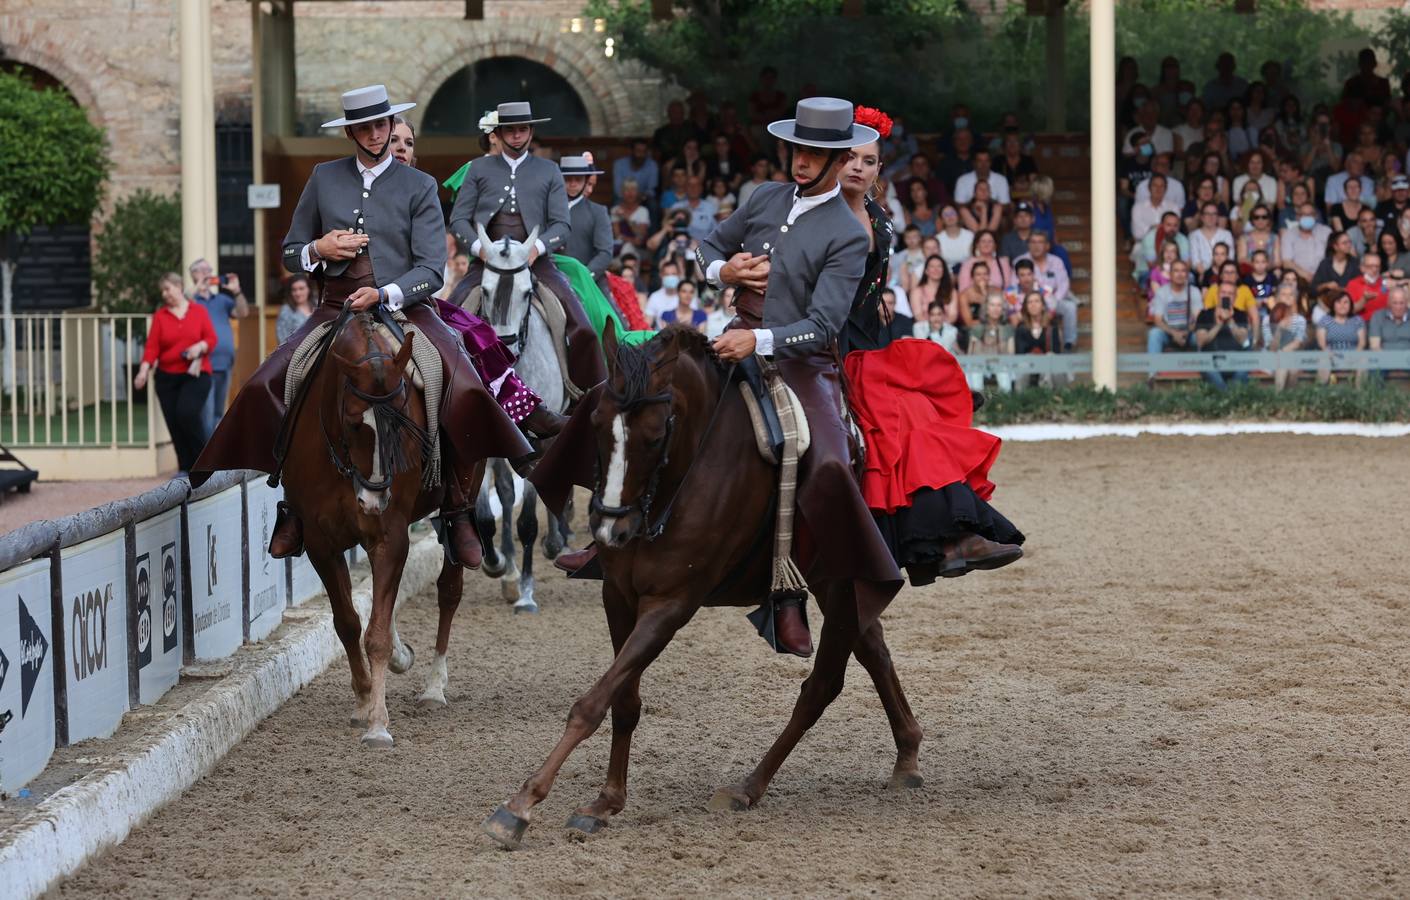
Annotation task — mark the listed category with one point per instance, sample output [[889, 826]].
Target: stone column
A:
[[276, 69], [198, 234], [1103, 213]]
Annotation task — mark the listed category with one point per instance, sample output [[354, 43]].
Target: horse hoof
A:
[[728, 799], [531, 608], [378, 738], [585, 823], [505, 828], [492, 569], [905, 781], [432, 701], [410, 661], [509, 590]]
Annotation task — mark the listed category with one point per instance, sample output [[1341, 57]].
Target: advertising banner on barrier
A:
[[26, 674], [217, 576], [94, 577], [267, 579], [306, 583], [158, 579]]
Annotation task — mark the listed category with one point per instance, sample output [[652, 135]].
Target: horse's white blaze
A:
[[372, 502], [616, 474]]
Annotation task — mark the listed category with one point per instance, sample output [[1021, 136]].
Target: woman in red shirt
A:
[[179, 342]]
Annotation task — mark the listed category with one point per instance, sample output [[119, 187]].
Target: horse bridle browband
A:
[[379, 402]]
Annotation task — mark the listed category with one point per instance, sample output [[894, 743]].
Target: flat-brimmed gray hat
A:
[[366, 104], [517, 112], [825, 122], [578, 165]]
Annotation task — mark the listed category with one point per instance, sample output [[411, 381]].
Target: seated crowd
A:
[[1256, 226], [974, 223]]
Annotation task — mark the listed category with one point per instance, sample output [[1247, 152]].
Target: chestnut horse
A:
[[353, 473], [683, 514]]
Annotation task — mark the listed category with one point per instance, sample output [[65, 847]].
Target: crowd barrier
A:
[[101, 610], [1158, 363]]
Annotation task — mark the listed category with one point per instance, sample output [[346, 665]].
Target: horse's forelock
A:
[[358, 339], [637, 363]]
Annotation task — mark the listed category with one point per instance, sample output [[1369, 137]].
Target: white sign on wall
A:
[[262, 196], [26, 674], [217, 574], [95, 635], [158, 566], [306, 582], [267, 578]]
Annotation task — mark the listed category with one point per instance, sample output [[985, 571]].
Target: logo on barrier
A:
[[4, 668], [34, 647], [265, 535], [211, 578], [144, 610], [168, 598], [90, 632]]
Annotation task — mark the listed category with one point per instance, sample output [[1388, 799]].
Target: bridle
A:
[[644, 502], [391, 420], [517, 338]]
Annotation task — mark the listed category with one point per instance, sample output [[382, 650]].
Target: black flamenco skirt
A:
[[915, 533]]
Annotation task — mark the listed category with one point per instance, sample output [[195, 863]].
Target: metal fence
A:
[[1174, 363], [68, 381]]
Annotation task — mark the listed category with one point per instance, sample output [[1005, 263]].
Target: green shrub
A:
[[140, 242]]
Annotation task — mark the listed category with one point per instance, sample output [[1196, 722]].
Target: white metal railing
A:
[[68, 381]]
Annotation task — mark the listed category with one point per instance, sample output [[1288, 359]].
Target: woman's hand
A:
[[140, 381], [195, 351], [194, 369]]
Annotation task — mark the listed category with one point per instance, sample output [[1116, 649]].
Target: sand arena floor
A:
[[1194, 684]]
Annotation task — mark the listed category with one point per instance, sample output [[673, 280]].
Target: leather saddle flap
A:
[[763, 394]]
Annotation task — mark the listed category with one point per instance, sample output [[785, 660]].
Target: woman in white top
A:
[[1205, 237], [935, 327], [956, 241], [1256, 169]]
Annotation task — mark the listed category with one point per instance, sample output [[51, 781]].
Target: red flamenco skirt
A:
[[915, 411], [624, 298]]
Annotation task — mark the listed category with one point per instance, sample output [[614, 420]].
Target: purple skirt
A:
[[493, 360]]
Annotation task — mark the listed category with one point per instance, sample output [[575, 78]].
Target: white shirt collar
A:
[[376, 170], [802, 204], [576, 200], [514, 161]]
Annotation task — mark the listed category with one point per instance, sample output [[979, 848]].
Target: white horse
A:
[[507, 304]]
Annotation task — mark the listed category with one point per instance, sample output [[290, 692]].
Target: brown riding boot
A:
[[287, 539], [791, 629], [973, 552], [573, 560], [542, 423], [462, 541]]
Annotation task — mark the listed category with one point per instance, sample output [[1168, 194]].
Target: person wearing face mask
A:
[[1304, 243], [1148, 124], [1132, 171]]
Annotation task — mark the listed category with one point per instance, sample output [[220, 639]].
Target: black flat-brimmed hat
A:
[[825, 122], [366, 104], [578, 165], [517, 112]]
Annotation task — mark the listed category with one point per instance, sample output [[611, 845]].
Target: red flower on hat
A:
[[874, 118]]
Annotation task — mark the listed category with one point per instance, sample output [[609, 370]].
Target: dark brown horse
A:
[[678, 472], [353, 473]]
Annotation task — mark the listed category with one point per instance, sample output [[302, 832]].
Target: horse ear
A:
[[609, 345], [484, 237], [404, 354], [533, 236]]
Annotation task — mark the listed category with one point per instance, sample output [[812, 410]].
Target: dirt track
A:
[[1194, 684]]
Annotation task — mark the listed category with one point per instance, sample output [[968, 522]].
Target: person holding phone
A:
[[223, 300], [1223, 328]]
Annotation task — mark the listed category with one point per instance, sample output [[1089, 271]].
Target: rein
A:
[[392, 422]]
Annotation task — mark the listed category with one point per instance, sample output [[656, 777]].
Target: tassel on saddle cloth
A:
[[424, 369], [787, 582], [550, 308]]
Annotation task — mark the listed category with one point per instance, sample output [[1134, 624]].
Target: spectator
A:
[[1053, 274], [1225, 86], [1288, 124], [669, 138], [982, 172], [1015, 243], [1148, 252], [897, 150], [973, 298], [901, 325], [936, 191], [223, 301], [1369, 149], [722, 163], [935, 286], [1190, 131], [685, 311], [1206, 191], [1161, 164], [1389, 328], [1287, 332], [1339, 266], [1228, 276], [1321, 155], [1222, 329], [298, 306], [1305, 244], [983, 212], [1157, 274], [1366, 233], [631, 221], [1132, 172], [180, 339], [719, 309], [1173, 311], [638, 167], [1210, 277], [1147, 214], [907, 263], [767, 103], [1260, 236], [1368, 290], [1241, 138], [721, 194], [1148, 124], [1260, 111], [674, 193], [1353, 168], [1015, 165], [1297, 195], [992, 336], [1128, 77], [1204, 238], [958, 161], [1035, 334], [665, 297], [1395, 262], [956, 242], [1212, 165], [1366, 86], [1397, 206], [937, 328], [921, 215], [1255, 171], [1340, 331], [1260, 279], [1025, 283], [758, 175], [701, 209], [986, 250], [1272, 74], [1342, 216], [691, 160], [1040, 197], [1166, 92], [457, 267]]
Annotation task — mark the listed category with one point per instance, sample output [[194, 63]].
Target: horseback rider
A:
[[590, 237], [800, 246], [511, 194], [370, 229]]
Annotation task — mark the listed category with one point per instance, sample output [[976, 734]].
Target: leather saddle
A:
[[763, 393]]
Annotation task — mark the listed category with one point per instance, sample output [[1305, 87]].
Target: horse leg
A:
[[823, 684], [871, 651], [388, 558], [528, 536], [332, 568], [402, 657], [492, 564], [626, 712], [504, 487], [652, 631], [565, 523], [449, 587]]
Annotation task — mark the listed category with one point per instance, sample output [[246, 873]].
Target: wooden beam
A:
[[661, 10], [474, 9]]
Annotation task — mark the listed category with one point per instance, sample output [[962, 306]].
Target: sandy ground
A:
[[51, 499], [1195, 684]]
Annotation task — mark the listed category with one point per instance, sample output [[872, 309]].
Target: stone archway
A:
[[456, 106], [28, 43]]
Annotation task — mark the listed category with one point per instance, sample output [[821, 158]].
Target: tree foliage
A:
[[140, 242], [53, 161]]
